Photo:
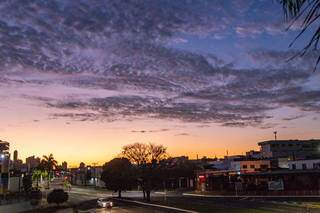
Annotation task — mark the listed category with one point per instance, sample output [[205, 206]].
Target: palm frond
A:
[[308, 12]]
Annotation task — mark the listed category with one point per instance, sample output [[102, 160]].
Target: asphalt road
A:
[[117, 209], [85, 198]]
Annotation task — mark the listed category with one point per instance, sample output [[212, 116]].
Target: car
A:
[[105, 203]]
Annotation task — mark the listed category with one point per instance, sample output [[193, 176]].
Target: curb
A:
[[156, 205], [251, 196]]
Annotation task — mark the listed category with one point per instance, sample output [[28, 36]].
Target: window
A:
[[252, 166], [304, 166], [244, 166], [264, 166], [293, 166]]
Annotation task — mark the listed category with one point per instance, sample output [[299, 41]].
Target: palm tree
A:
[[49, 164], [37, 175], [306, 12]]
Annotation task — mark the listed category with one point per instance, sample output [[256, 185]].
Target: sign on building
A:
[[275, 185]]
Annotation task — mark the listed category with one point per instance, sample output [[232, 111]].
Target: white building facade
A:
[[304, 164]]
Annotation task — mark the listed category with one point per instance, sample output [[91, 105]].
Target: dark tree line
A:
[[145, 165]]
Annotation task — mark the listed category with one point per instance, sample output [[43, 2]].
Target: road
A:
[[120, 208], [85, 198]]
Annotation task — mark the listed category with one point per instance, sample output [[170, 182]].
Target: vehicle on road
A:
[[105, 203]]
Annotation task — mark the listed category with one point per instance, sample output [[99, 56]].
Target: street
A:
[[120, 208], [85, 198]]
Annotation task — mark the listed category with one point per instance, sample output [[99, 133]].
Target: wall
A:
[[14, 184], [309, 164]]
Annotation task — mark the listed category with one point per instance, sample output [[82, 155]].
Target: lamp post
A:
[[95, 174]]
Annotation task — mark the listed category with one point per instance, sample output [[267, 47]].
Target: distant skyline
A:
[[81, 79]]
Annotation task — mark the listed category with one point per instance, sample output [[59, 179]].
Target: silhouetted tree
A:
[[146, 157], [118, 175], [306, 13], [27, 183]]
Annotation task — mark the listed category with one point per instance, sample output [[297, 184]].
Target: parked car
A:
[[105, 203]]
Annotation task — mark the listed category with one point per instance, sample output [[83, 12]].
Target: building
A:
[[32, 162], [15, 155], [281, 167], [293, 149], [80, 175], [4, 166], [252, 154], [304, 164], [16, 163], [95, 174], [247, 166], [185, 178], [282, 182]]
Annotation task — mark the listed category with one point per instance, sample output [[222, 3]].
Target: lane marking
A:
[[156, 205]]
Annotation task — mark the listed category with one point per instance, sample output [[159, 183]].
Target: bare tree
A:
[[140, 153], [147, 158], [137, 153]]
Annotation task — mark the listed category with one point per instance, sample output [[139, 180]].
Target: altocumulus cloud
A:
[[121, 47]]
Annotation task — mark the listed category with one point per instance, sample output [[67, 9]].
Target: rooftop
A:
[[4, 145], [288, 141]]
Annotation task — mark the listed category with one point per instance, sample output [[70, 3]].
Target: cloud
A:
[[150, 131], [292, 118], [285, 59], [109, 60], [182, 134], [189, 88]]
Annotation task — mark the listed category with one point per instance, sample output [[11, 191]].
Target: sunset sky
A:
[[80, 79]]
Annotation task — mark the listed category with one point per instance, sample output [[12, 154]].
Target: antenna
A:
[[275, 135]]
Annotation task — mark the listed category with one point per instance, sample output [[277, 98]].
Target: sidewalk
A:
[[197, 194], [16, 207]]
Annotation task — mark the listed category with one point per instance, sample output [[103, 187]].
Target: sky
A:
[[80, 79]]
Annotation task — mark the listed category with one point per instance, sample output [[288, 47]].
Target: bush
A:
[[35, 197], [57, 196]]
